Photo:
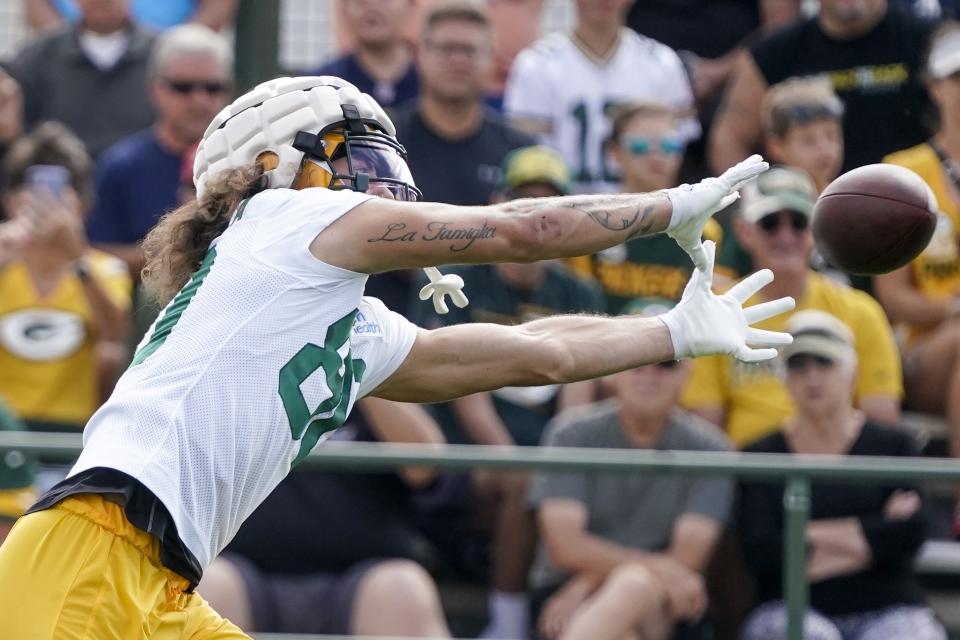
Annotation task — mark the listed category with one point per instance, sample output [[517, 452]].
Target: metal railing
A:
[[796, 470]]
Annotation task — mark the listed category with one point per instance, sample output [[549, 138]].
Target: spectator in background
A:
[[454, 144], [90, 75], [750, 401], [139, 177], [512, 294], [565, 87], [622, 555], [330, 552], [63, 306], [382, 64], [869, 52], [647, 145], [803, 128], [924, 296], [215, 14], [860, 539]]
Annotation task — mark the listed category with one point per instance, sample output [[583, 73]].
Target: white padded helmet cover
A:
[[267, 118]]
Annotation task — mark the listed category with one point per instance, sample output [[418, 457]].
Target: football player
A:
[[267, 340]]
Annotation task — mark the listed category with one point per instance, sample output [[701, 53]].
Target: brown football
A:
[[874, 219]]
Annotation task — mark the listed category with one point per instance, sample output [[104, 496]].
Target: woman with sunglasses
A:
[[861, 538], [648, 148]]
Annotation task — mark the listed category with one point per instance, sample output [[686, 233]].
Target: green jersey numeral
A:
[[179, 304], [582, 174], [303, 423]]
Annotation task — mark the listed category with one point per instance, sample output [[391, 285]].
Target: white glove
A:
[[703, 323], [443, 285], [694, 204]]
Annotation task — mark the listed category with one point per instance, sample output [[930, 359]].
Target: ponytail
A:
[[175, 247]]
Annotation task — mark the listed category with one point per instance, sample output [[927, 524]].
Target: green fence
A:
[[796, 470]]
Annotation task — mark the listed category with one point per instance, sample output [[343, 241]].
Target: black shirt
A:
[[691, 25], [876, 75], [888, 580], [323, 521], [463, 171]]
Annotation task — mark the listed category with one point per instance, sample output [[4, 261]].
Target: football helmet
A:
[[311, 131]]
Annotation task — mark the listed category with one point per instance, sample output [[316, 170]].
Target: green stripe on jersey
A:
[[175, 309]]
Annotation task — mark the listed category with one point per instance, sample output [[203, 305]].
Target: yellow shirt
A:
[[754, 397], [48, 365], [936, 271]]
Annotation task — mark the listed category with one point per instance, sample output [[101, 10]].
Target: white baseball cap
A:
[[944, 58], [821, 334]]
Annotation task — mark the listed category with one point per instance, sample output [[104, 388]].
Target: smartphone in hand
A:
[[51, 179]]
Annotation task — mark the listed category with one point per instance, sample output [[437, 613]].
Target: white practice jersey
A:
[[571, 97], [260, 355]]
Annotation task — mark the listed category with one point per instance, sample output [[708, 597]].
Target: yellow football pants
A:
[[81, 571]]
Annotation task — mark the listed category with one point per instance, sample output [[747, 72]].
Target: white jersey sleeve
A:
[[526, 90], [288, 221], [382, 339]]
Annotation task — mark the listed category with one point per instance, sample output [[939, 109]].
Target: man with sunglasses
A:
[[773, 226], [623, 555], [138, 178]]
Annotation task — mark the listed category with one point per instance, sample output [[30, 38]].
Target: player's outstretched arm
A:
[[462, 359], [381, 234]]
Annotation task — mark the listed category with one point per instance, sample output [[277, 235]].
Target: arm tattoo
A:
[[437, 231], [609, 212], [645, 224], [612, 221], [639, 220]]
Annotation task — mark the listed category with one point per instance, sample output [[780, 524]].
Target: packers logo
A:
[[42, 335]]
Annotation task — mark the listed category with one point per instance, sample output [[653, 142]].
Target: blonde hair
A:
[[798, 101], [175, 247]]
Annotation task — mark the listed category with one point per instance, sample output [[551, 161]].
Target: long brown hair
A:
[[175, 247]]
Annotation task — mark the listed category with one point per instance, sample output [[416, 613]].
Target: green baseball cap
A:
[[538, 164]]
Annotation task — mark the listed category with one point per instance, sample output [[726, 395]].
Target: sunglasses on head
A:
[[184, 87], [642, 145], [772, 221], [803, 360]]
